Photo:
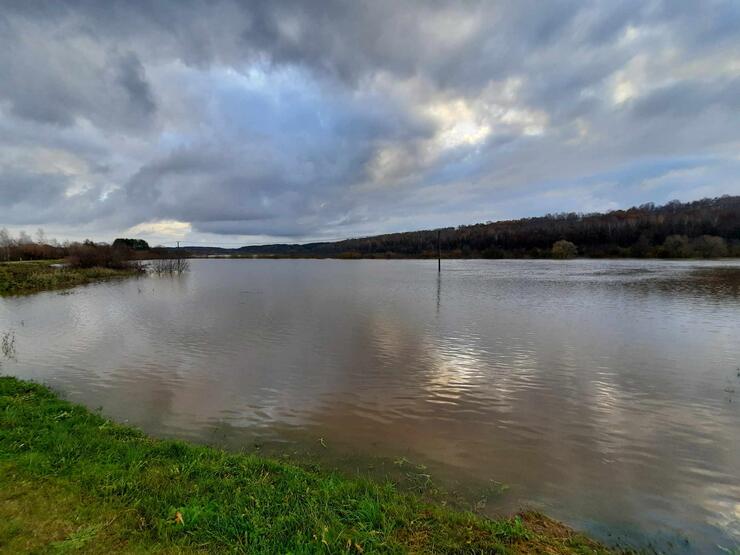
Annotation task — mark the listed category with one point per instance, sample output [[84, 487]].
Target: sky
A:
[[227, 122]]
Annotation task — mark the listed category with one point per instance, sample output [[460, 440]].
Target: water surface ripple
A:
[[602, 392]]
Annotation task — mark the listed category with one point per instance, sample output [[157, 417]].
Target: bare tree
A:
[[5, 242], [24, 238]]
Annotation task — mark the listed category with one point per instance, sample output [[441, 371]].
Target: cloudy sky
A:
[[232, 122]]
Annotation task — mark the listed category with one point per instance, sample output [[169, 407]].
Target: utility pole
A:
[[439, 252]]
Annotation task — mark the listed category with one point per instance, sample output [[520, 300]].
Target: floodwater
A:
[[604, 393]]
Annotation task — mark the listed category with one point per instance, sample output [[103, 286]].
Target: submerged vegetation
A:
[[169, 266], [18, 278], [7, 344], [72, 480]]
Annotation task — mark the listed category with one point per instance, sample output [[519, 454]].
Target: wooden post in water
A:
[[439, 252]]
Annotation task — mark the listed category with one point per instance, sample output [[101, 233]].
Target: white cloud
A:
[[163, 228]]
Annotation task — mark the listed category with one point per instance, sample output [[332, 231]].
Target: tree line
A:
[[80, 254], [703, 228]]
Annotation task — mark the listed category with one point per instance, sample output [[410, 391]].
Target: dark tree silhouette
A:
[[135, 244], [674, 230]]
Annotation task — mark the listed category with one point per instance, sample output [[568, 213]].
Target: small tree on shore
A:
[[564, 249]]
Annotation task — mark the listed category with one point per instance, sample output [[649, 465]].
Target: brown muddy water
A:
[[604, 393]]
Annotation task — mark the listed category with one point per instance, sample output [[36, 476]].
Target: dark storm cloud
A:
[[133, 79], [35, 199], [332, 118], [51, 74], [32, 190], [458, 44]]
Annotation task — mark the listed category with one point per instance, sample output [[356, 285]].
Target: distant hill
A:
[[703, 228]]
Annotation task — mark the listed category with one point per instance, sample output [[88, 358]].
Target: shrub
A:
[[89, 255], [564, 249]]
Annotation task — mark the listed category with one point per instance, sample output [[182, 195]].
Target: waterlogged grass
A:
[[17, 278], [72, 481]]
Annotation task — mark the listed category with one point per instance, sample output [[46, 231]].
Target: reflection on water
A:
[[602, 392]]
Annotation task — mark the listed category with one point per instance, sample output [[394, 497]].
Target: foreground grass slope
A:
[[18, 278], [72, 481]]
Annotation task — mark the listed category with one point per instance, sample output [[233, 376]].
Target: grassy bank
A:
[[17, 278], [70, 480]]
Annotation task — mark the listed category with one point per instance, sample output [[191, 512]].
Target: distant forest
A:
[[707, 228], [704, 228]]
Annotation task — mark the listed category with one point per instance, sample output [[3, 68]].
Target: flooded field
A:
[[605, 393]]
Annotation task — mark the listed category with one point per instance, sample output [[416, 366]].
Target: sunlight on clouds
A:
[[529, 122], [391, 161], [458, 123], [166, 228], [631, 81], [623, 91], [501, 105], [631, 34]]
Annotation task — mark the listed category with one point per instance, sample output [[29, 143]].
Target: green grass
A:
[[72, 481], [17, 278]]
